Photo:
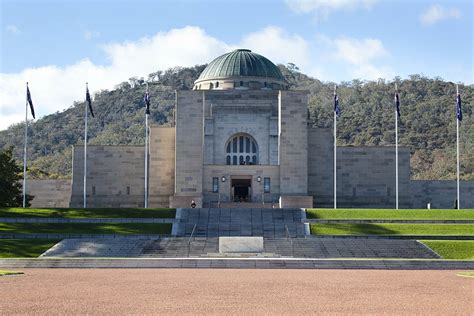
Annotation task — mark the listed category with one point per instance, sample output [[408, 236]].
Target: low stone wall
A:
[[441, 193], [115, 176], [49, 193]]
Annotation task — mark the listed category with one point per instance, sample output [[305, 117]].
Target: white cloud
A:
[[437, 13], [54, 88], [13, 29], [361, 56], [279, 46], [322, 8]]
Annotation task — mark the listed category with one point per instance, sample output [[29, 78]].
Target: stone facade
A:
[[241, 136], [162, 166], [50, 192], [441, 193], [188, 162], [115, 176]]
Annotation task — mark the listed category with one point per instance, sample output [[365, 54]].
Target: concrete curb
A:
[[229, 263]]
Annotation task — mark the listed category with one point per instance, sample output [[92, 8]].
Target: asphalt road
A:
[[195, 291]]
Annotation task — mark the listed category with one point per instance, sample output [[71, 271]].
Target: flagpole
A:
[[396, 153], [457, 151], [85, 150], [24, 149], [335, 148], [146, 154]]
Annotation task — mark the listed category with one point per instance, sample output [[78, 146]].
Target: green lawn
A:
[[68, 228], [452, 249], [89, 212], [24, 248], [392, 229], [390, 214]]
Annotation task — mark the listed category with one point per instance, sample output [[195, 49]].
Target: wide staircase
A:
[[215, 222], [292, 247], [283, 232]]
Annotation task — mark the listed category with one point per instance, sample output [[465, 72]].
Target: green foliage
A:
[[452, 249], [393, 229], [428, 124], [389, 214], [89, 212], [11, 193]]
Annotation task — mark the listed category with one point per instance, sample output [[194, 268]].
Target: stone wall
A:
[[441, 194], [189, 147], [365, 175], [293, 142], [50, 192], [320, 165], [115, 176], [162, 161]]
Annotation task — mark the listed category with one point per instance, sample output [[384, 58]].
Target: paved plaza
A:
[[218, 292]]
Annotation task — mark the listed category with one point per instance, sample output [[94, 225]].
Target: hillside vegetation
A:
[[428, 124]]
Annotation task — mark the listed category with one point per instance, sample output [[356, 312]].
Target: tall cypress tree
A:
[[11, 194]]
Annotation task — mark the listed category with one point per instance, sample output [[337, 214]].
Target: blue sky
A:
[[59, 45]]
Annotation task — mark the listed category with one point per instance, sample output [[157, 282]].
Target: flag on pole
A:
[[337, 109], [30, 102], [147, 103], [458, 107], [89, 101], [397, 103]]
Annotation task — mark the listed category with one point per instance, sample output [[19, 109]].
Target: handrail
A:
[[190, 238], [288, 237]]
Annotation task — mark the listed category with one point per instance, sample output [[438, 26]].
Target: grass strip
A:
[[390, 214], [83, 228], [89, 212], [24, 248], [393, 229], [6, 272], [452, 249]]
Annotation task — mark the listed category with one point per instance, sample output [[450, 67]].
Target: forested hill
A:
[[428, 124]]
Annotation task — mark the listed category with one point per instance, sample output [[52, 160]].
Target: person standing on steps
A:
[[193, 204]]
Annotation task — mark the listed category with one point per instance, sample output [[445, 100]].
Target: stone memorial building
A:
[[241, 136]]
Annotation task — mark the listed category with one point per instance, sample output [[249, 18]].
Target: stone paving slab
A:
[[238, 264], [116, 247]]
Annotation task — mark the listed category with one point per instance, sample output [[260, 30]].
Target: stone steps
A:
[[214, 222], [295, 247]]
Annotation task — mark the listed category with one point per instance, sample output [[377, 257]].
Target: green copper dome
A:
[[240, 62]]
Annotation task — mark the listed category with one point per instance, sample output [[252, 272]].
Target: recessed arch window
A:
[[217, 84], [241, 149]]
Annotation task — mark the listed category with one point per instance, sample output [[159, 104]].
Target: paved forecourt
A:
[[222, 292]]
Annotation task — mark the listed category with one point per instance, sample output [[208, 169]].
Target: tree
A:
[[11, 194]]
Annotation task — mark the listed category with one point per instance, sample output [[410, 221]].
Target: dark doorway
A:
[[241, 189]]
